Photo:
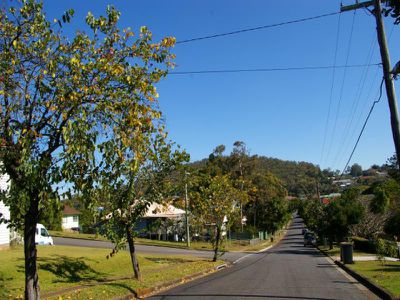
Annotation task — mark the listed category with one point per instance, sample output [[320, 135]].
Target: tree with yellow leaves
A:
[[65, 103]]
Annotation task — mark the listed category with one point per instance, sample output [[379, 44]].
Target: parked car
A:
[[42, 236], [310, 239]]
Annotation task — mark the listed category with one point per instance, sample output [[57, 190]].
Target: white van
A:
[[42, 237]]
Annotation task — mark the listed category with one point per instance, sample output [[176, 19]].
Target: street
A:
[[287, 271], [228, 256]]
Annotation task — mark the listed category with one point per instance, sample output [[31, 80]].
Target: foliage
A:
[[215, 204], [61, 99], [51, 217], [313, 213], [392, 225], [385, 248], [364, 245], [393, 9], [335, 219], [268, 208], [372, 224], [356, 170], [380, 203], [341, 214]]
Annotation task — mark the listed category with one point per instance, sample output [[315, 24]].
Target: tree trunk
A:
[[135, 263], [216, 246], [32, 290]]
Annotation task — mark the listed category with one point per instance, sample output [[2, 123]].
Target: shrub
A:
[[364, 245]]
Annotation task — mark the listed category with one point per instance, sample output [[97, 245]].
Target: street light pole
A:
[[187, 213]]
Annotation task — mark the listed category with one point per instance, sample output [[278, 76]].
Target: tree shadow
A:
[[68, 269], [388, 267], [123, 285], [3, 288]]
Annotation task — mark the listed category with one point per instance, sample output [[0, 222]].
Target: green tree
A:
[[135, 175], [60, 98], [356, 170], [392, 225], [215, 204], [342, 213], [267, 208]]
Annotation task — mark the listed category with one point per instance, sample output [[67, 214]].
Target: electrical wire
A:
[[364, 108], [360, 88], [272, 69], [362, 129], [342, 85], [331, 92], [255, 28]]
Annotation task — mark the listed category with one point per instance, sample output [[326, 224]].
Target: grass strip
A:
[[384, 274], [64, 267]]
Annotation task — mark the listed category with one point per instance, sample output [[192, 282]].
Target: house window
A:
[[75, 218]]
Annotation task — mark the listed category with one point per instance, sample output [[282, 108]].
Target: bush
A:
[[386, 248], [364, 245]]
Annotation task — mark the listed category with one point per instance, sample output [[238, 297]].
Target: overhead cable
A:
[[342, 86], [255, 28], [362, 129], [331, 91], [271, 69]]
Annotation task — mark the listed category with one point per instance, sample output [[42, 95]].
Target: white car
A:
[[42, 237]]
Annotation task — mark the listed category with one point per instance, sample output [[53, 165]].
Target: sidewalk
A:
[[366, 258]]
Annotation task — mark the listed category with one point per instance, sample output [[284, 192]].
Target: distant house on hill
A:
[[5, 214], [70, 218]]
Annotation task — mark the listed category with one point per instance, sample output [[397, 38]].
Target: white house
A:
[[70, 218], [5, 214]]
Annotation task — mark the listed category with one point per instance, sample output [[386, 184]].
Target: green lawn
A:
[[386, 275], [62, 267]]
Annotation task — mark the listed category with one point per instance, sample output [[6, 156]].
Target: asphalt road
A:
[[287, 271], [228, 256]]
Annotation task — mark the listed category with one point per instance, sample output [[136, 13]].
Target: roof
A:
[[69, 211], [156, 210]]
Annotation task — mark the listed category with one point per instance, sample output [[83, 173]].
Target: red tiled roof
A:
[[70, 211]]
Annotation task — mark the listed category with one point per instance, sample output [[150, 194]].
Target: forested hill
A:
[[299, 178]]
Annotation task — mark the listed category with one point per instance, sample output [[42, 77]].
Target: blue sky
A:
[[277, 114]]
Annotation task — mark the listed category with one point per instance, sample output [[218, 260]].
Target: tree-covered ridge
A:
[[298, 178]]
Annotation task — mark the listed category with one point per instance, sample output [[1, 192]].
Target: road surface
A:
[[287, 271], [228, 256]]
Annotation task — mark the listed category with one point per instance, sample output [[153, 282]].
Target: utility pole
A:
[[387, 70], [187, 212]]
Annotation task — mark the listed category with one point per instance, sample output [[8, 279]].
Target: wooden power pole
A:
[[387, 70]]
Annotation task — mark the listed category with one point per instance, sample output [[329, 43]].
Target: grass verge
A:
[[86, 273], [386, 275]]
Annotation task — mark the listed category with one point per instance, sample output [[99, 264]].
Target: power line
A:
[[255, 28], [271, 69], [362, 129], [331, 92], [342, 85]]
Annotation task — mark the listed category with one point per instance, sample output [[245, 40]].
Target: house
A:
[[5, 214], [159, 221], [162, 222], [70, 218]]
